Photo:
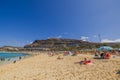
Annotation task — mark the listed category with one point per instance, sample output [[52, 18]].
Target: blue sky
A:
[[23, 21]]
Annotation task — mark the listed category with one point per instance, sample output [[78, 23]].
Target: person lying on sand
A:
[[59, 58], [85, 62]]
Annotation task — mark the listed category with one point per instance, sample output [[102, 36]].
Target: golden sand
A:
[[43, 67]]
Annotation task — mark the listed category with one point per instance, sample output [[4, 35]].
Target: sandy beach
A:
[[43, 67]]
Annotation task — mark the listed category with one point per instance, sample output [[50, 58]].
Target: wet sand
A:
[[43, 67]]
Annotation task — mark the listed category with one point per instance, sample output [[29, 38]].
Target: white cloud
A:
[[29, 42], [84, 38], [110, 41], [59, 36], [48, 37]]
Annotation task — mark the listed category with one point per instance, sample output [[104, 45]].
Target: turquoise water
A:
[[11, 55], [8, 57]]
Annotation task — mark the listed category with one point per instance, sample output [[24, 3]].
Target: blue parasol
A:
[[105, 48]]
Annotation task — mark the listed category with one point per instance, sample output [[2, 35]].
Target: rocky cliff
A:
[[66, 44], [55, 43]]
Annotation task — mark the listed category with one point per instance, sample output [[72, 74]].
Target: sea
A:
[[8, 57]]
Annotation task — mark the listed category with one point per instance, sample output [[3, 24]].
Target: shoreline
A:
[[12, 59]]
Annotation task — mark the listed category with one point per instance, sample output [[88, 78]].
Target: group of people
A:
[[2, 59], [98, 55], [52, 53], [70, 53], [19, 58], [103, 55]]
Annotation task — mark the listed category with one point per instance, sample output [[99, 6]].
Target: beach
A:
[[44, 67]]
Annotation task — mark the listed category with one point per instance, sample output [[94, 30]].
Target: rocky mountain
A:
[[66, 44], [60, 44]]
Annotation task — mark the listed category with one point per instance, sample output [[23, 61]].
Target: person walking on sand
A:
[[20, 57]]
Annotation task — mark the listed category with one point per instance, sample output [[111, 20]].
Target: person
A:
[[2, 59], [96, 55], [59, 58], [50, 53], [102, 55], [65, 53], [76, 52], [70, 53], [85, 62], [20, 57], [107, 56], [14, 61]]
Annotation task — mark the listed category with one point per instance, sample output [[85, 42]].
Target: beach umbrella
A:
[[105, 48], [117, 49]]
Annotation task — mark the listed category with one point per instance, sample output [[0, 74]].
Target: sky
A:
[[23, 21]]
